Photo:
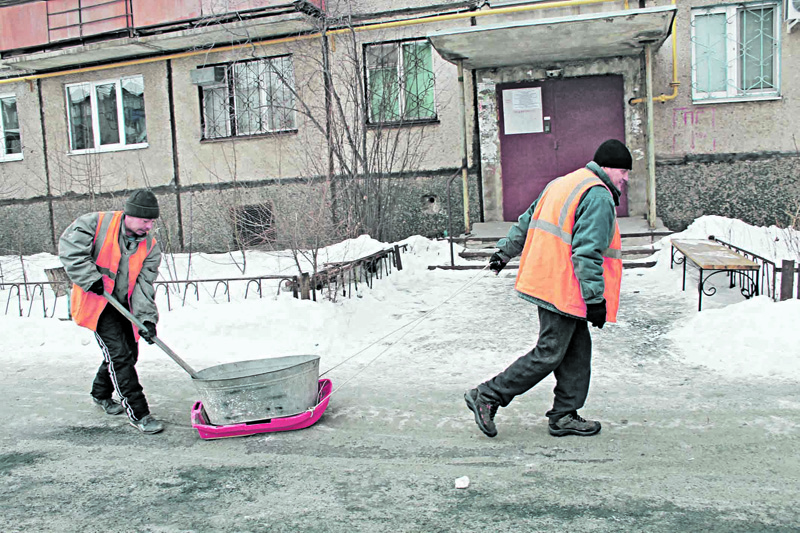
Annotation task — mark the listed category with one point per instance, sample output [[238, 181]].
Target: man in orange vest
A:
[[570, 267], [115, 252]]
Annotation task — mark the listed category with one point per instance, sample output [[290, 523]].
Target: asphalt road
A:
[[682, 449]]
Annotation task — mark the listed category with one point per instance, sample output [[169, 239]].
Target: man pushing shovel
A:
[[115, 252]]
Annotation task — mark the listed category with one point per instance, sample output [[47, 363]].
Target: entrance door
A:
[[578, 114]]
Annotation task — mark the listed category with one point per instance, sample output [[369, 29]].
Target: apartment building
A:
[[255, 121]]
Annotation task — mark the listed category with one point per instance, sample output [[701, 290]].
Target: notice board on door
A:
[[522, 111]]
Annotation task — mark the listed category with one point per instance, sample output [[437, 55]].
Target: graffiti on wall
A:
[[693, 130]]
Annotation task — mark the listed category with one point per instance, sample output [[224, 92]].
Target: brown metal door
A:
[[579, 114]]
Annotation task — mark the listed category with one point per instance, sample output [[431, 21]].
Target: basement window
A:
[[106, 116], [253, 225], [11, 146]]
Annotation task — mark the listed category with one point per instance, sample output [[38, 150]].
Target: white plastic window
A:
[[10, 139], [107, 115]]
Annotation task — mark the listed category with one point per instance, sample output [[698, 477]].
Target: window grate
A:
[[400, 82], [256, 97], [735, 51], [253, 225]]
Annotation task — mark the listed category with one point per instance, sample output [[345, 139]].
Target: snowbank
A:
[[757, 337]]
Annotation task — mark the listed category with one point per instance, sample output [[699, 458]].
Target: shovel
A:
[[127, 314]]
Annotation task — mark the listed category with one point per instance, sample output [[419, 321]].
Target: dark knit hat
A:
[[613, 154], [142, 204]]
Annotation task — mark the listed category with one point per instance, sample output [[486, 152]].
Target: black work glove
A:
[[148, 333], [97, 287], [497, 263], [596, 314]]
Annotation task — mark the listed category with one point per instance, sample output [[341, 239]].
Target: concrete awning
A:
[[548, 40]]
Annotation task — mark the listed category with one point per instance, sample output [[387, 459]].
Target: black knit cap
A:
[[142, 204], [613, 154]]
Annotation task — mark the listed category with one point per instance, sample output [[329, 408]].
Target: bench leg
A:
[[684, 274], [700, 292]]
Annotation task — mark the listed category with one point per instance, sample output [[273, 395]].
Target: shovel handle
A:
[[158, 342]]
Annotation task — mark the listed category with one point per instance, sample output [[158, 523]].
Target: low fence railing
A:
[[346, 275], [342, 276], [769, 273]]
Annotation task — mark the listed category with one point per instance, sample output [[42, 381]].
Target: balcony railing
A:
[[39, 24]]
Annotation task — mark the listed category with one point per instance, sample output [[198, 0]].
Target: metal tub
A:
[[262, 389]]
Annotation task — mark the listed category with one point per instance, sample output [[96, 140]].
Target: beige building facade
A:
[[256, 126]]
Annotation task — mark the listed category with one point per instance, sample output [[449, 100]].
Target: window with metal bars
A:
[[253, 225], [255, 97], [10, 140], [736, 52], [400, 82]]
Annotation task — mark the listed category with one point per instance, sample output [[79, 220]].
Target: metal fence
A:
[[769, 273], [343, 278]]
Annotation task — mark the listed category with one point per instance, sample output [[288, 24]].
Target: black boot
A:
[[484, 410]]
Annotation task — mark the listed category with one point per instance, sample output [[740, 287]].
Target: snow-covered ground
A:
[[732, 336], [699, 410]]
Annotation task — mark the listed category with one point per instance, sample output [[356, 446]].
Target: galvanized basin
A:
[[262, 389]]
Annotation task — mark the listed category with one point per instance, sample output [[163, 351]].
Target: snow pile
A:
[[757, 337], [732, 336], [771, 243]]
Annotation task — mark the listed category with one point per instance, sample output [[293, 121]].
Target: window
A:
[[735, 51], [254, 97], [107, 115], [253, 225], [11, 149], [400, 82]]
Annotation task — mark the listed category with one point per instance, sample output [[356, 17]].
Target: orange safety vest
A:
[[546, 271], [87, 306]]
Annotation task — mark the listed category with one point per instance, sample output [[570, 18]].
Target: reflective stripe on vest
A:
[[106, 254], [546, 270]]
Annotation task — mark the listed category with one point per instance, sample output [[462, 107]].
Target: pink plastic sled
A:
[[303, 420]]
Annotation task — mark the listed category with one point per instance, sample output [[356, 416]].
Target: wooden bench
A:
[[708, 255]]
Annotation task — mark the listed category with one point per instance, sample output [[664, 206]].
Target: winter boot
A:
[[111, 407], [147, 424], [573, 424], [484, 410]]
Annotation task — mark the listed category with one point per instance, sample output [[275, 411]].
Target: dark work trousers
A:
[[565, 349], [118, 371]]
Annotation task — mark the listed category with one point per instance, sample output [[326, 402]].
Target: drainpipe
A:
[[651, 153], [465, 151]]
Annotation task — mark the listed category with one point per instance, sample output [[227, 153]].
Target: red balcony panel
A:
[[319, 3], [157, 12], [72, 19], [221, 7], [55, 7], [23, 26]]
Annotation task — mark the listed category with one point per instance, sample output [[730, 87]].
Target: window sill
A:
[[12, 157], [109, 149], [403, 123], [248, 137], [736, 99]]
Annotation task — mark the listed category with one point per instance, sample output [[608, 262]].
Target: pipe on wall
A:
[[674, 83]]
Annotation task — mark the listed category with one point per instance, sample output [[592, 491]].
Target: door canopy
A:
[[543, 41]]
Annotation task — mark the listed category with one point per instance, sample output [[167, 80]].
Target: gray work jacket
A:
[[78, 254]]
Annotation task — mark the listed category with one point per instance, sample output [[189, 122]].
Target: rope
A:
[[472, 281]]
